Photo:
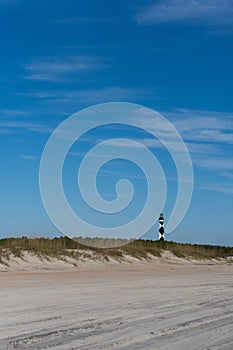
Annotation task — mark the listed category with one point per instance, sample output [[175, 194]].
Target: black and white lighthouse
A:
[[161, 227]]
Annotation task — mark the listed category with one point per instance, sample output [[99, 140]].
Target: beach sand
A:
[[137, 306]]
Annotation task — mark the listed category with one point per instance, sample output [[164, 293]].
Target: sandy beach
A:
[[136, 306]]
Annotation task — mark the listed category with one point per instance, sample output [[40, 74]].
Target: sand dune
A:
[[137, 306], [32, 262]]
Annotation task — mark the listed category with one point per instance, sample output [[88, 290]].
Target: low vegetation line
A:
[[142, 249]]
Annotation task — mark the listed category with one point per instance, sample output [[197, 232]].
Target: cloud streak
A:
[[87, 20], [208, 136], [11, 127], [90, 96], [58, 69], [218, 188], [204, 126], [27, 156], [208, 12], [12, 113]]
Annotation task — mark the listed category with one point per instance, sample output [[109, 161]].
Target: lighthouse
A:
[[161, 227]]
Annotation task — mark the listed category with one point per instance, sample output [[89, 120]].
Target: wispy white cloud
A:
[[11, 126], [91, 96], [223, 188], [67, 20], [216, 163], [58, 69], [86, 46], [12, 120], [227, 174], [27, 156], [202, 148], [147, 142], [208, 136], [12, 113], [204, 126], [4, 131], [123, 174], [209, 12]]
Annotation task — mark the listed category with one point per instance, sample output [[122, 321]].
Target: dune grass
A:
[[64, 247]]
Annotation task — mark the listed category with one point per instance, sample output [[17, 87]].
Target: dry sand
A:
[[137, 306]]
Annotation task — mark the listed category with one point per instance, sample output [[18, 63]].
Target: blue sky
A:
[[175, 56]]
